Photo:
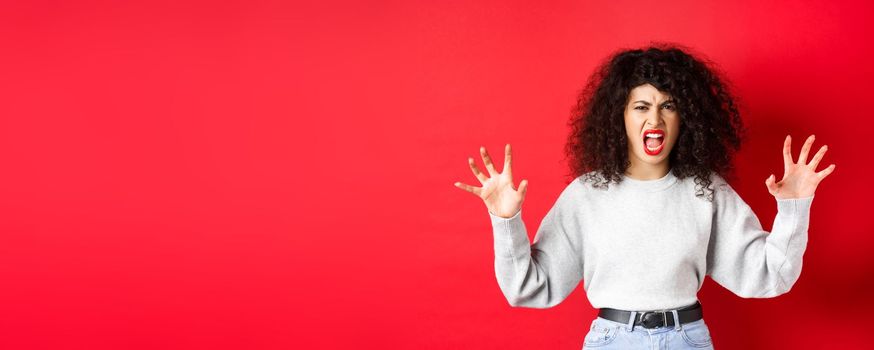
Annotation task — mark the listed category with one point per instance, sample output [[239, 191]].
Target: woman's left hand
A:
[[799, 179]]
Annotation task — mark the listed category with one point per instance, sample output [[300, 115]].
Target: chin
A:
[[654, 159]]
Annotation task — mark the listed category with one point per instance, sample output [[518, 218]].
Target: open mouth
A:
[[653, 141]]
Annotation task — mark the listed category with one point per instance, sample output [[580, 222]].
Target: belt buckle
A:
[[651, 322]]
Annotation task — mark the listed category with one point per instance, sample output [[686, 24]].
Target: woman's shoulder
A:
[[577, 188], [723, 192], [593, 180], [710, 188], [718, 182]]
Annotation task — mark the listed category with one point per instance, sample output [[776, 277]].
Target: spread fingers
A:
[[508, 161], [787, 151], [488, 161], [476, 172], [468, 188], [802, 158], [817, 157], [825, 172]]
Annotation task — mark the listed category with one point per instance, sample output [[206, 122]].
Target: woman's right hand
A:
[[497, 191]]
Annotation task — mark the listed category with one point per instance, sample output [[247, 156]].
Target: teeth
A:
[[654, 135]]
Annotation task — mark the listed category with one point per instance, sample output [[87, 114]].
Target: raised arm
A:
[[748, 260], [539, 275], [543, 274]]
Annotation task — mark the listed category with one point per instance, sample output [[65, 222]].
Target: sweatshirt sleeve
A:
[[542, 274], [747, 260]]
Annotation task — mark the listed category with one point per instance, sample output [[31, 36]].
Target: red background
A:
[[251, 174]]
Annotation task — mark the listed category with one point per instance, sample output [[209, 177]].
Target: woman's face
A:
[[649, 112]]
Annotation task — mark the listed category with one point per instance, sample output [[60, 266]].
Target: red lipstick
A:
[[658, 134]]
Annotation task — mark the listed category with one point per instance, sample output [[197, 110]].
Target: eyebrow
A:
[[650, 104]]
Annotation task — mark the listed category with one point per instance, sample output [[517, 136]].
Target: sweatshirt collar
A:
[[650, 185]]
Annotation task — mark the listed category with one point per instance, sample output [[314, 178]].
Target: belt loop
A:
[[676, 320], [630, 325]]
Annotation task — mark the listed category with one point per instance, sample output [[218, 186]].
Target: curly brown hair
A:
[[711, 129]]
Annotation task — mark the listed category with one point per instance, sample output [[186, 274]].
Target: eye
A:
[[669, 106], [642, 108]]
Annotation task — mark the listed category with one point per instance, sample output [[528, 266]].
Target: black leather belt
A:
[[653, 319]]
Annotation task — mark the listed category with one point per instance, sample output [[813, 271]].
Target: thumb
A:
[[523, 188], [771, 184]]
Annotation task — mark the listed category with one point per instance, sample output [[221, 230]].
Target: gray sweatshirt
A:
[[647, 244]]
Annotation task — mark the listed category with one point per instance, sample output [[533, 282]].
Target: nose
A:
[[653, 119]]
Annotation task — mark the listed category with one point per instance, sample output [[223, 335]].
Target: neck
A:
[[645, 171]]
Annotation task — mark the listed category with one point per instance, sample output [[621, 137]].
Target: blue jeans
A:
[[605, 334]]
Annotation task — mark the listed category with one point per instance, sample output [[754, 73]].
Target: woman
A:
[[649, 213]]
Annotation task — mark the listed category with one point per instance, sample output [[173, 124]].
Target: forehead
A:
[[647, 92]]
